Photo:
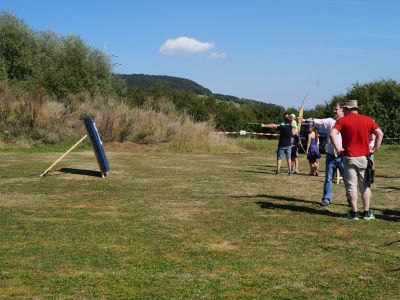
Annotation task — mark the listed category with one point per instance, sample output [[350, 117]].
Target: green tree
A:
[[18, 47], [228, 118], [50, 72], [381, 101], [62, 65], [320, 111]]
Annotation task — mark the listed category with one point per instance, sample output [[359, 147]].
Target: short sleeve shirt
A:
[[285, 135], [355, 130]]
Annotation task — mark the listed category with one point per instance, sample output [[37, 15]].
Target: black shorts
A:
[[312, 160], [295, 153]]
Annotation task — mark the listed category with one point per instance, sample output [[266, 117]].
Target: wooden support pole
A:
[[338, 177], [62, 156]]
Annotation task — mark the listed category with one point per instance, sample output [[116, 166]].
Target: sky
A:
[[267, 50]]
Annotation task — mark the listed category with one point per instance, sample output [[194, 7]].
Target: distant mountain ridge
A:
[[175, 83], [144, 81]]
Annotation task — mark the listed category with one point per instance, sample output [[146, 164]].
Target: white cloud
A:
[[184, 45], [217, 56]]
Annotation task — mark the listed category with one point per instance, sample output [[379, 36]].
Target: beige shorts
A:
[[354, 172]]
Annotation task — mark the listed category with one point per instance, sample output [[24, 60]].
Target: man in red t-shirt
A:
[[356, 129]]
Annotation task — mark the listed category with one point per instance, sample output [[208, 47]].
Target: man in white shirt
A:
[[334, 162]]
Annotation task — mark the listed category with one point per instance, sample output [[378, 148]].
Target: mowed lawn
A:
[[168, 225]]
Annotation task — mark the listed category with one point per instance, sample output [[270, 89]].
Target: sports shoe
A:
[[368, 215], [277, 172], [295, 171], [351, 215], [325, 202]]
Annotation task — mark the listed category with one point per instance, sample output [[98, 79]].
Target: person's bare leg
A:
[[289, 164], [278, 165], [353, 202], [366, 198]]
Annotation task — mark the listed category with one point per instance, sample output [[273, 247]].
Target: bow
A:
[[301, 112]]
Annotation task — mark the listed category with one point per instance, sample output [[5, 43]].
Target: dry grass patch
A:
[[223, 246]]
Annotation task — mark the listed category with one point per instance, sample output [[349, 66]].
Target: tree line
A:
[[43, 63], [60, 65]]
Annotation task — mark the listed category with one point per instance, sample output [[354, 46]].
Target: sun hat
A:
[[350, 104]]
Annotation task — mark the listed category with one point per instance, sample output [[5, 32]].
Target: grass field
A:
[[167, 225]]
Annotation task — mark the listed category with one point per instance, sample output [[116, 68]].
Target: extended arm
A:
[[326, 123], [269, 125]]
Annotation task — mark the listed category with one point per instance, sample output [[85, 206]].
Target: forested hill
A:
[[147, 82], [143, 81]]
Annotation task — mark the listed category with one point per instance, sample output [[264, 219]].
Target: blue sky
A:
[[271, 51]]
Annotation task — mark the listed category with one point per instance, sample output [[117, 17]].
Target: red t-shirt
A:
[[355, 130]]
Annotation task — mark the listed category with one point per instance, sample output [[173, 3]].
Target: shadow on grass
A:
[[263, 166], [302, 209], [289, 199], [283, 172], [318, 210], [396, 270], [261, 169], [81, 172], [387, 214], [387, 176], [268, 169], [391, 188], [391, 243]]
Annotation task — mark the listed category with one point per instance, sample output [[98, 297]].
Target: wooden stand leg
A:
[[338, 177], [62, 156]]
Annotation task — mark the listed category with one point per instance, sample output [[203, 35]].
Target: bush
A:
[[61, 65], [381, 101], [30, 118]]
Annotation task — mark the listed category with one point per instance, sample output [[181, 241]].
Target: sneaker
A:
[[368, 215], [295, 171], [351, 215], [325, 202], [277, 172]]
